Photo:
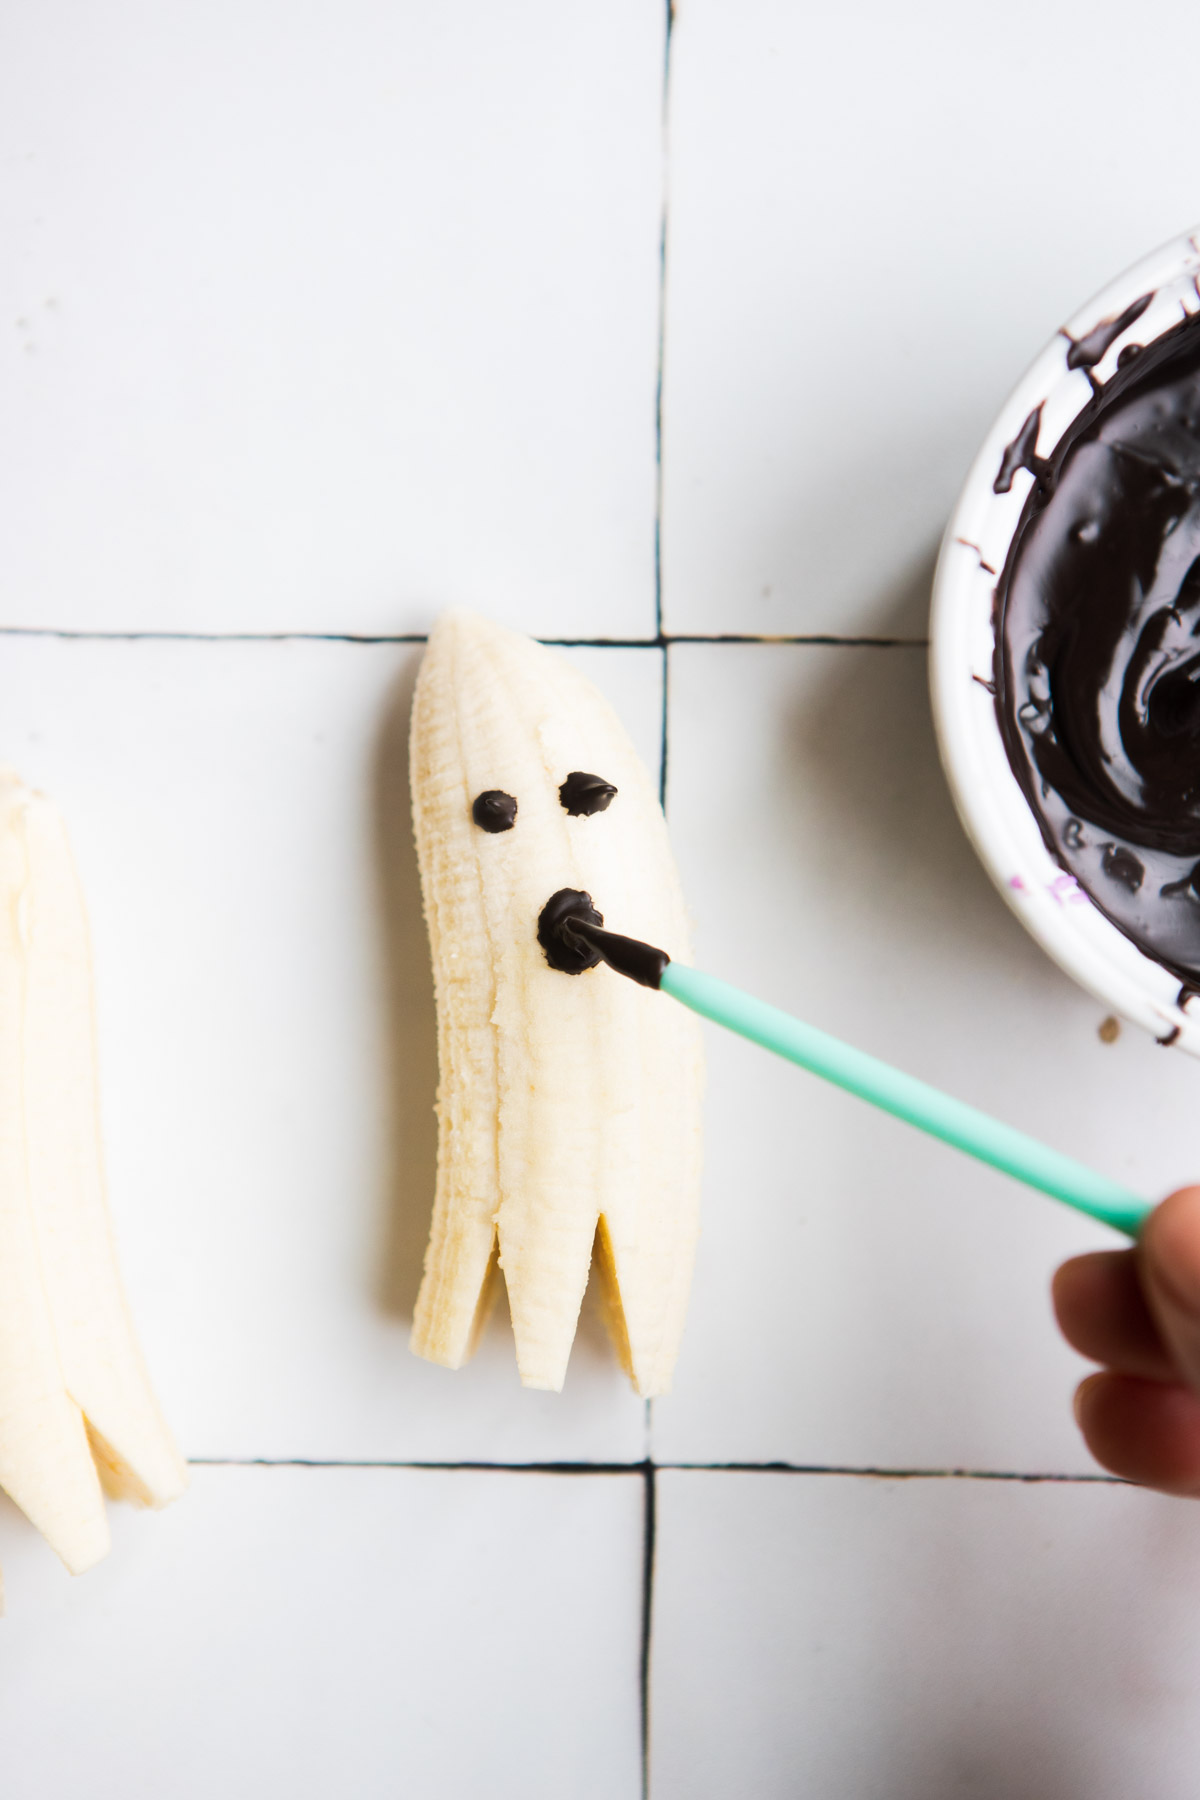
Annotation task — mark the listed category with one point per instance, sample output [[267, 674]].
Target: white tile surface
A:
[[311, 1632], [325, 318], [315, 321], [878, 216], [865, 1296], [240, 813], [923, 1640]]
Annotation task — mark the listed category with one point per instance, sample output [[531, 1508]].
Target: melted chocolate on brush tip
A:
[[1097, 661], [628, 956], [569, 932]]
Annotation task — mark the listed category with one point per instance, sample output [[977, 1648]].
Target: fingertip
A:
[[1169, 1246], [1102, 1313], [1079, 1402], [1073, 1286], [1169, 1263], [1144, 1431]]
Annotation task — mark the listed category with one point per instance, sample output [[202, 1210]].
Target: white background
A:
[[316, 320]]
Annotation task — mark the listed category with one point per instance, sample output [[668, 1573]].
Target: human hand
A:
[[1138, 1312]]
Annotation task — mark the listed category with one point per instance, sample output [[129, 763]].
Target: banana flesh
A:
[[568, 1105], [77, 1414]]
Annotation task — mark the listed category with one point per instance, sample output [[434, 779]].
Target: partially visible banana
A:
[[76, 1409], [568, 1105]]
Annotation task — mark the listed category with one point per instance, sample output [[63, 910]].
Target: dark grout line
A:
[[650, 1523], [648, 1467], [349, 1462], [661, 641], [649, 1476], [822, 639], [665, 167], [665, 639], [643, 643], [664, 742], [212, 637], [663, 747], [869, 1473]]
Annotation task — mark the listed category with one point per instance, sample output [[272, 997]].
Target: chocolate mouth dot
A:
[[560, 955], [494, 811], [583, 794]]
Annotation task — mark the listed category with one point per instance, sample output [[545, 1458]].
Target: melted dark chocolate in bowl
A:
[[1097, 662]]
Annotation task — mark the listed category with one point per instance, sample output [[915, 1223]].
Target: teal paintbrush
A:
[[901, 1095]]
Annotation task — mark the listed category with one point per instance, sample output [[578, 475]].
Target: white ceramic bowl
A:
[[990, 803]]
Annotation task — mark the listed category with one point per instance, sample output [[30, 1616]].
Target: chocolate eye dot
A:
[[494, 811], [583, 794]]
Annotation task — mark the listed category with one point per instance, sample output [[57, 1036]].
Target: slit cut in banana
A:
[[568, 1104], [77, 1414]]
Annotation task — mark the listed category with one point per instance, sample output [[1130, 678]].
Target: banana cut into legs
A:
[[568, 1104], [77, 1415]]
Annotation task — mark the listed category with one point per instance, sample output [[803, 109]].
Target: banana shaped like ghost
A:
[[76, 1409], [568, 1104]]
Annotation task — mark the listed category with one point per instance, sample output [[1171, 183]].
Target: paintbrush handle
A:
[[907, 1098]]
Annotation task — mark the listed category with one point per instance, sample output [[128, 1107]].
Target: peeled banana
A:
[[76, 1410], [568, 1104]]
